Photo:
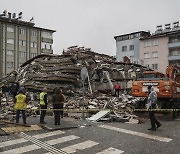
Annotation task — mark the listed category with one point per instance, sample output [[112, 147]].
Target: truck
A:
[[166, 85]]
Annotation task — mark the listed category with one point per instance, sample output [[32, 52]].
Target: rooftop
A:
[[17, 21]]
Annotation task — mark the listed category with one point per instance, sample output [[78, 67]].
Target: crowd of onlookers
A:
[[21, 99]]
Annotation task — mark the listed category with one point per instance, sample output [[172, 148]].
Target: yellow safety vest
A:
[[20, 102], [42, 98]]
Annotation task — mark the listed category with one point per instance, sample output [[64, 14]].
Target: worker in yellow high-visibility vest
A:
[[20, 101], [43, 105]]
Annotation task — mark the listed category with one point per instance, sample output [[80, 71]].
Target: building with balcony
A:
[[162, 48], [21, 41], [127, 45]]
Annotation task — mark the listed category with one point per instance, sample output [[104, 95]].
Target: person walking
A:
[[117, 88], [57, 99], [20, 101], [43, 105], [152, 104]]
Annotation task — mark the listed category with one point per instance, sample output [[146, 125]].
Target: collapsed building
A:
[[64, 71]]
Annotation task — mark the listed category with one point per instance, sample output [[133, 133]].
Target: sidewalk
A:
[[33, 125], [66, 122]]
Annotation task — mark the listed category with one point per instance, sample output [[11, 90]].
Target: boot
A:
[[152, 129]]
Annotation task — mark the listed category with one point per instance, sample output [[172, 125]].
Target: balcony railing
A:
[[172, 58], [173, 45]]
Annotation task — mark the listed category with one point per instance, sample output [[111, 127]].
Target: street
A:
[[99, 138]]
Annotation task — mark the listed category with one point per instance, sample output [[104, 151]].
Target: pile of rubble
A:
[[64, 71]]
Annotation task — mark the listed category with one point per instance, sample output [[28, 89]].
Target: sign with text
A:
[[150, 83]]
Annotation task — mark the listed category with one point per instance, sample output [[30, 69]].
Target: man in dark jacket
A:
[[152, 104], [57, 100]]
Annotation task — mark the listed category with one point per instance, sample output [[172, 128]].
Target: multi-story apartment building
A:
[[128, 45], [161, 48], [21, 41]]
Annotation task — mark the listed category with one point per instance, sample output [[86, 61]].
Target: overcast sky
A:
[[94, 23]]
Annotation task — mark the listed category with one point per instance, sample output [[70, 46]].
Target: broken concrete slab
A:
[[99, 115]]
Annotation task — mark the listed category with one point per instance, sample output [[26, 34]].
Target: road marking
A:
[[44, 135], [62, 139], [111, 151], [36, 147], [22, 140], [137, 133], [41, 144], [79, 146], [21, 149], [12, 142]]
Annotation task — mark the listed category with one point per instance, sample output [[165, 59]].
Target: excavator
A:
[[166, 85]]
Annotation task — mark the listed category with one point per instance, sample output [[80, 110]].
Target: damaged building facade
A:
[[20, 41]]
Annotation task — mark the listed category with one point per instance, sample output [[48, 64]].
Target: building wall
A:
[[159, 44], [17, 53], [134, 53]]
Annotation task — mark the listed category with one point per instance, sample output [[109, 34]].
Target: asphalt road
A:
[[110, 138]]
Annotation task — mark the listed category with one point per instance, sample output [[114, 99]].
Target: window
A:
[[155, 54], [10, 29], [10, 52], [22, 31], [174, 39], [22, 54], [155, 66], [150, 43], [154, 42], [174, 53], [47, 35], [33, 33], [10, 41], [33, 45], [131, 36], [131, 47], [22, 42], [33, 55], [45, 45], [124, 48], [146, 55], [147, 43], [10, 64]]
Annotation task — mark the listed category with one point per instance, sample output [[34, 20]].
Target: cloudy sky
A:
[[94, 23]]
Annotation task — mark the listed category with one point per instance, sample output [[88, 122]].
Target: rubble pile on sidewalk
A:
[[64, 71]]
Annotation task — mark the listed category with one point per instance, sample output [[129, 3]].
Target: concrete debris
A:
[[64, 71]]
